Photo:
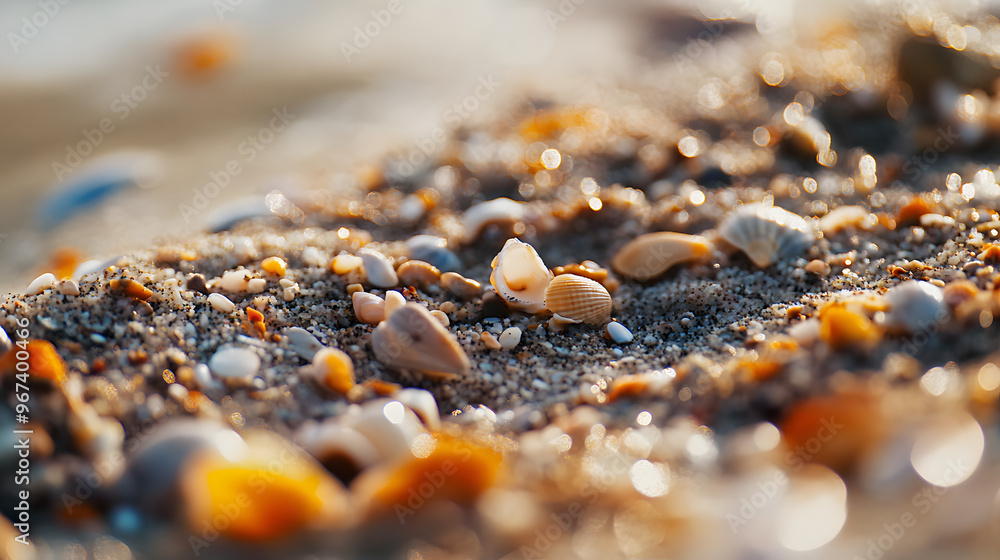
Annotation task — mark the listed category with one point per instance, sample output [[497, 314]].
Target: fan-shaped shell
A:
[[520, 277], [650, 255], [766, 233], [578, 299], [411, 338]]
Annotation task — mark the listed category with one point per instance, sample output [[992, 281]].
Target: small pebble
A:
[[234, 281], [221, 303], [40, 284], [619, 333], [256, 285], [441, 316], [312, 257], [68, 288], [510, 338], [302, 342], [235, 363], [379, 269], [343, 264], [274, 265], [490, 341]]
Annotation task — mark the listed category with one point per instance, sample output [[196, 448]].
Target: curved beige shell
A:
[[368, 308], [766, 233], [498, 210], [411, 338], [393, 301], [652, 254], [520, 277], [578, 299], [418, 273], [378, 268]]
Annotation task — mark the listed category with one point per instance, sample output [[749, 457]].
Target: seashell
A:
[[766, 233], [221, 303], [333, 369], [302, 342], [342, 264], [411, 338], [433, 250], [40, 284], [379, 269], [393, 301], [510, 338], [234, 363], [619, 333], [274, 265], [520, 277], [98, 180], [578, 299], [418, 273], [368, 308], [496, 211], [344, 451], [843, 217], [298, 496], [460, 286], [389, 425], [652, 254], [914, 306], [423, 403]]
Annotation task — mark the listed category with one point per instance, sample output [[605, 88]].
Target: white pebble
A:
[[510, 338], [68, 288], [302, 342], [235, 363], [40, 284], [234, 281], [379, 269], [312, 257], [221, 303], [393, 301], [256, 285], [619, 333], [617, 352]]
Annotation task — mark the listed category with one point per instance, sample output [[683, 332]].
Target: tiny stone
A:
[[510, 338], [221, 303], [619, 333], [40, 284], [68, 288], [234, 363]]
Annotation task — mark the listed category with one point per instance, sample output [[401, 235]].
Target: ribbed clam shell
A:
[[411, 338], [520, 277], [766, 233], [578, 298], [650, 255]]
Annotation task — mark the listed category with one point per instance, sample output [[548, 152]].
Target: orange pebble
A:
[[130, 288], [274, 265], [834, 430], [910, 212], [334, 369], [843, 329], [256, 319], [42, 359]]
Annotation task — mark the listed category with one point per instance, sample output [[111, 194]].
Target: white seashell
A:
[[368, 308], [411, 338], [393, 301], [578, 299], [650, 255], [421, 402], [234, 281], [619, 333], [342, 264], [379, 269], [68, 288], [520, 277], [221, 303], [389, 425], [460, 286], [915, 306], [766, 233], [234, 363], [499, 210], [302, 342], [510, 338], [40, 284], [418, 273]]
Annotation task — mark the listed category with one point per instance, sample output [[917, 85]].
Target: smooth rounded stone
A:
[[40, 284], [619, 333], [68, 288], [434, 250], [915, 306], [235, 363], [234, 280], [379, 269], [221, 303], [302, 342], [510, 338]]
